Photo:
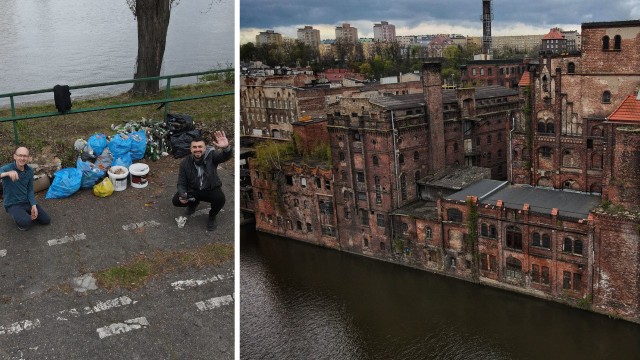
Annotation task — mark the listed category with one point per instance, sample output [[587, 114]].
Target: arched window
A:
[[617, 42], [405, 228], [545, 86], [567, 246], [484, 230], [514, 238], [571, 68], [596, 161], [417, 175], [546, 241], [375, 161], [428, 233], [541, 127], [492, 231], [299, 225], [550, 129], [605, 43], [341, 156], [454, 215], [416, 155], [606, 97], [535, 239], [401, 159], [514, 268], [577, 247]]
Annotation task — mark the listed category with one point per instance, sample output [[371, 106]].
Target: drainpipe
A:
[[395, 158], [513, 127], [395, 169]]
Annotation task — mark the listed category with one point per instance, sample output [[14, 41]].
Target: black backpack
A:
[[62, 98]]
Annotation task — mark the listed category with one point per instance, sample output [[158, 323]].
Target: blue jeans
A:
[[21, 214]]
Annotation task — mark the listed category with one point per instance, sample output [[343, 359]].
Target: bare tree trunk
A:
[[153, 22]]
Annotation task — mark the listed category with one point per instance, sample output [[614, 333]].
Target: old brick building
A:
[[269, 105], [402, 186]]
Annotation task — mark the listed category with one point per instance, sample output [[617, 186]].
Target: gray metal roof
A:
[[395, 102], [569, 204]]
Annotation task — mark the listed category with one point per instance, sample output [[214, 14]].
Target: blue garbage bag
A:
[[97, 142], [91, 174], [65, 183], [122, 160], [138, 144], [119, 145]]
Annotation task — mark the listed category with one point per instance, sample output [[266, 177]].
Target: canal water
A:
[[73, 42], [299, 301]]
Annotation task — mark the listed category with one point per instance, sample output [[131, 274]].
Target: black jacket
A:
[[188, 175]]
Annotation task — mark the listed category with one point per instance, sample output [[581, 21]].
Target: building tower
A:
[[487, 16]]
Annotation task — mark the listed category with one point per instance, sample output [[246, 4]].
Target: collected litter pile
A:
[[107, 163]]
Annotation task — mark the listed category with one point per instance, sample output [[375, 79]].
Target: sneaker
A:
[[22, 228], [191, 208], [212, 224]]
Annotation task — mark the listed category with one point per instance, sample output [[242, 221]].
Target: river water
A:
[[73, 42], [299, 301]]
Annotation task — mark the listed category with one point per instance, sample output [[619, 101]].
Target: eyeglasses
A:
[[21, 155]]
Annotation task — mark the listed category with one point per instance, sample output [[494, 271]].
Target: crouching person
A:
[[198, 177], [19, 199]]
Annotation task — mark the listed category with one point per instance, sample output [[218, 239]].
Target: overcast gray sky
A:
[[415, 17]]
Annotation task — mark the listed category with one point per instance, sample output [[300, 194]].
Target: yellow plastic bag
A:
[[104, 188]]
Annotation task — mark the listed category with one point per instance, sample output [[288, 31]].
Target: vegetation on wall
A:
[[471, 238]]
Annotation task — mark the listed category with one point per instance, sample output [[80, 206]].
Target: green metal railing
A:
[[166, 100]]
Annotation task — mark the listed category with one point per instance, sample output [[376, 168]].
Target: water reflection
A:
[[300, 301]]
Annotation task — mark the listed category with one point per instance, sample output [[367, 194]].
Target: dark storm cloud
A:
[[272, 13]]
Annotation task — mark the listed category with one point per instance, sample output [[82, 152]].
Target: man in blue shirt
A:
[[17, 185]]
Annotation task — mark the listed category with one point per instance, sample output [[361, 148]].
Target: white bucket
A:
[[119, 181], [139, 173]]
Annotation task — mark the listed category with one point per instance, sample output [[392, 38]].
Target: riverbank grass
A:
[[58, 133]]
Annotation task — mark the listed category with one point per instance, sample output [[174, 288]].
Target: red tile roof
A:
[[628, 111], [554, 34], [525, 80]]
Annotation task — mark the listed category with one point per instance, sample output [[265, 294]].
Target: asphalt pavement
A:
[[49, 308]]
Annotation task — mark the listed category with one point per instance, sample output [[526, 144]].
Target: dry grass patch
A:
[[139, 270]]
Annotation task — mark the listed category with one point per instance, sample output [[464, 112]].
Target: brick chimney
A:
[[432, 89]]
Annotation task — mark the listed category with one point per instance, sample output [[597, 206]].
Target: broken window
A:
[[492, 231], [401, 159], [546, 241], [318, 183], [382, 246], [375, 161], [416, 155], [365, 242], [535, 239], [341, 154], [296, 202], [535, 273], [405, 228], [299, 225], [545, 275], [567, 246], [364, 217], [327, 184], [514, 268], [380, 220], [428, 233], [484, 230], [577, 282], [514, 238], [454, 215], [577, 247], [362, 195], [347, 213], [309, 227], [360, 176], [566, 280], [606, 97]]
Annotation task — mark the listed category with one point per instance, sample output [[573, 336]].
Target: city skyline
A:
[[426, 17]]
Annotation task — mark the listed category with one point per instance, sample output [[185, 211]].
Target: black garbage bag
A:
[[177, 123], [181, 143]]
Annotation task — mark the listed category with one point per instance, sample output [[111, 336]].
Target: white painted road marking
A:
[[214, 303], [121, 328], [184, 284], [140, 225], [100, 306], [19, 326], [67, 239], [3, 253]]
